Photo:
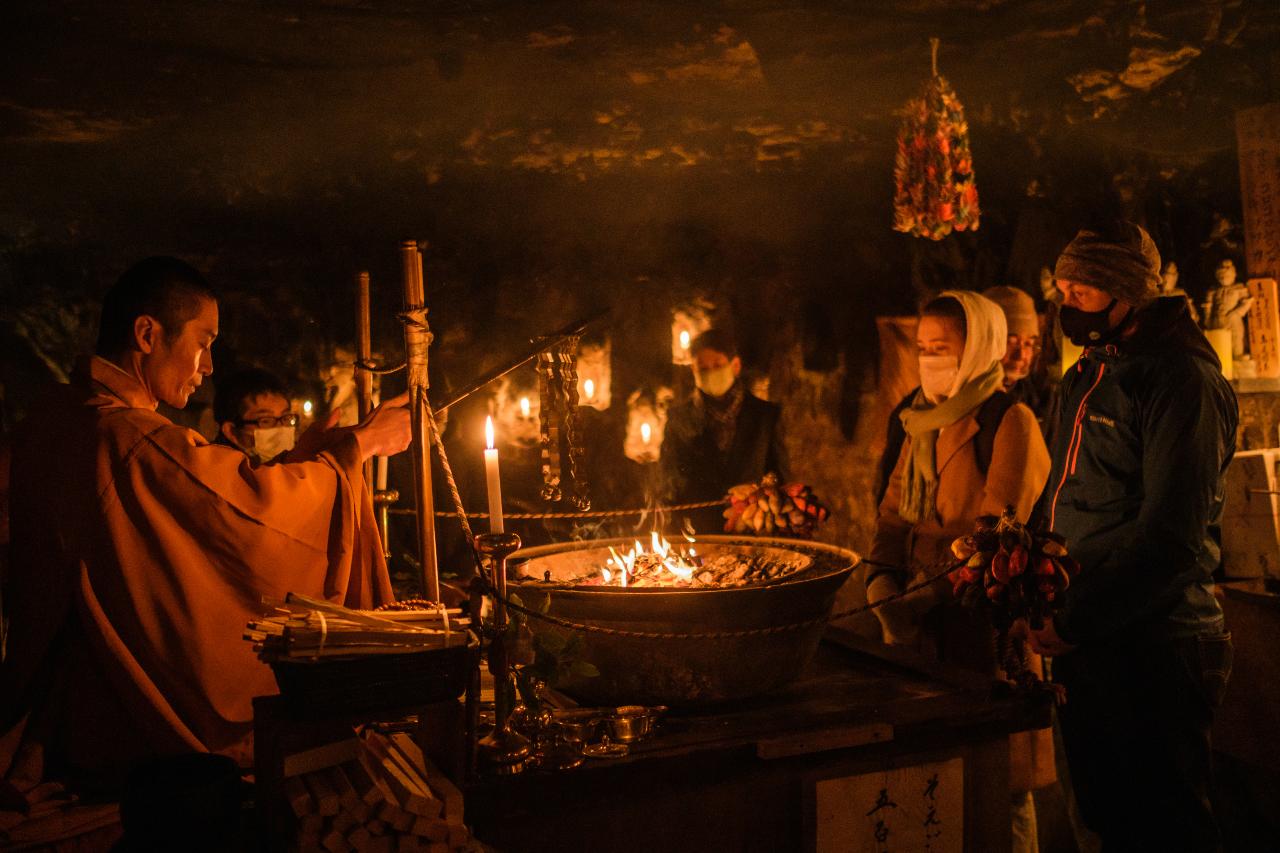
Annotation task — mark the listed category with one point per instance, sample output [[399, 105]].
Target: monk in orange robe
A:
[[140, 550]]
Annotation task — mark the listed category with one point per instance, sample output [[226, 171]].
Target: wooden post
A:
[[1258, 142], [364, 355], [416, 342]]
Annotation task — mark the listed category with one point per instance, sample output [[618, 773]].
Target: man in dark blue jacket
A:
[[1147, 431]]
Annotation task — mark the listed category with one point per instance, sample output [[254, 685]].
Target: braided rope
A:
[[720, 635], [418, 338], [459, 510], [602, 513]]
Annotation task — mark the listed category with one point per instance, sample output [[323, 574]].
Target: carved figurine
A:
[[1169, 287], [1226, 305], [1049, 287]]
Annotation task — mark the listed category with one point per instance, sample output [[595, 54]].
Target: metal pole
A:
[[364, 355], [416, 342]]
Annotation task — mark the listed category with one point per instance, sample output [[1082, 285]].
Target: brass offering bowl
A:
[[685, 671]]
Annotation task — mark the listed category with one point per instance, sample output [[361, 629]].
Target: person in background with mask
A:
[[1137, 490], [940, 485], [253, 414], [1027, 377], [723, 435]]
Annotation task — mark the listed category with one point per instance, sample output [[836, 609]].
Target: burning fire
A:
[[660, 564]]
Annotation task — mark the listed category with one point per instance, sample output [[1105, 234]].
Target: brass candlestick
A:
[[502, 752]]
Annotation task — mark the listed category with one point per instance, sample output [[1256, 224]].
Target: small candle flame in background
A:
[[595, 375], [307, 407], [687, 322], [646, 424], [524, 407], [488, 432]]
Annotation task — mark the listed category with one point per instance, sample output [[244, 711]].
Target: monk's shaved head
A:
[[167, 289]]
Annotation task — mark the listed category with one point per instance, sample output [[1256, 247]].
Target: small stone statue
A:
[[1226, 305], [1169, 287], [1049, 287]]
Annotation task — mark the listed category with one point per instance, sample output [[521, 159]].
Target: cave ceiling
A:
[[231, 101]]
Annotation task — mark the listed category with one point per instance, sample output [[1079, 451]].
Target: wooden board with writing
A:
[[910, 808], [1264, 327], [1258, 141]]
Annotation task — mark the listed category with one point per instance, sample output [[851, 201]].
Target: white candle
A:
[[380, 472], [492, 478]]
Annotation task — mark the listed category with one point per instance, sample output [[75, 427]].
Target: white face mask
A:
[[271, 442], [937, 374], [715, 382]]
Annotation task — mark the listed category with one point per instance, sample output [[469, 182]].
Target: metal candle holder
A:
[[503, 752], [382, 501]]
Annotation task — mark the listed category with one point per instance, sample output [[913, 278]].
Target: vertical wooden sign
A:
[[910, 808], [1258, 142], [1264, 327]]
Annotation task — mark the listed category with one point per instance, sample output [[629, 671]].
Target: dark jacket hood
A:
[[1166, 324]]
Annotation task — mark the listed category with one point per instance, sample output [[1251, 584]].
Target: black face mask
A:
[[1086, 328]]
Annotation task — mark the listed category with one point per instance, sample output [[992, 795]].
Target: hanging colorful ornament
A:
[[934, 188]]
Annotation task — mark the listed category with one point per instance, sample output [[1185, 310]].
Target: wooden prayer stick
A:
[[416, 344], [322, 793]]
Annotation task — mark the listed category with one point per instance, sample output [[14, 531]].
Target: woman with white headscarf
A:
[[939, 487]]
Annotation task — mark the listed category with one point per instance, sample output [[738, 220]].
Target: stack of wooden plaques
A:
[[380, 795]]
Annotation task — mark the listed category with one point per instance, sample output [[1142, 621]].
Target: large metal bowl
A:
[[693, 670]]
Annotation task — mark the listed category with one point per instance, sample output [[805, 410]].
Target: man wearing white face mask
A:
[[939, 487], [724, 435], [253, 414]]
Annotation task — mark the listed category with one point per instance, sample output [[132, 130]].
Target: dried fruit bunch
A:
[[1020, 574], [770, 509], [934, 188]]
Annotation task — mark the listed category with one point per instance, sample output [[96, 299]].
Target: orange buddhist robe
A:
[[139, 552]]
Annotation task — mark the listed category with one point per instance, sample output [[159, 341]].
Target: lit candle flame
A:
[[488, 432], [589, 388], [306, 407], [646, 432], [524, 408], [684, 339]]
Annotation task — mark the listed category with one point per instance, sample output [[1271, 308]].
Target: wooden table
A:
[[840, 758]]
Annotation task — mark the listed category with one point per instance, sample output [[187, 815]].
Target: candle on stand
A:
[[380, 475], [492, 478]]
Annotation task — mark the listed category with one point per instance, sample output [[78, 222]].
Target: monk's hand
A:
[[316, 439], [386, 430], [1045, 641]]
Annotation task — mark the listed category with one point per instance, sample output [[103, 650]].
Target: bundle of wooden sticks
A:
[[376, 793], [308, 628]]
